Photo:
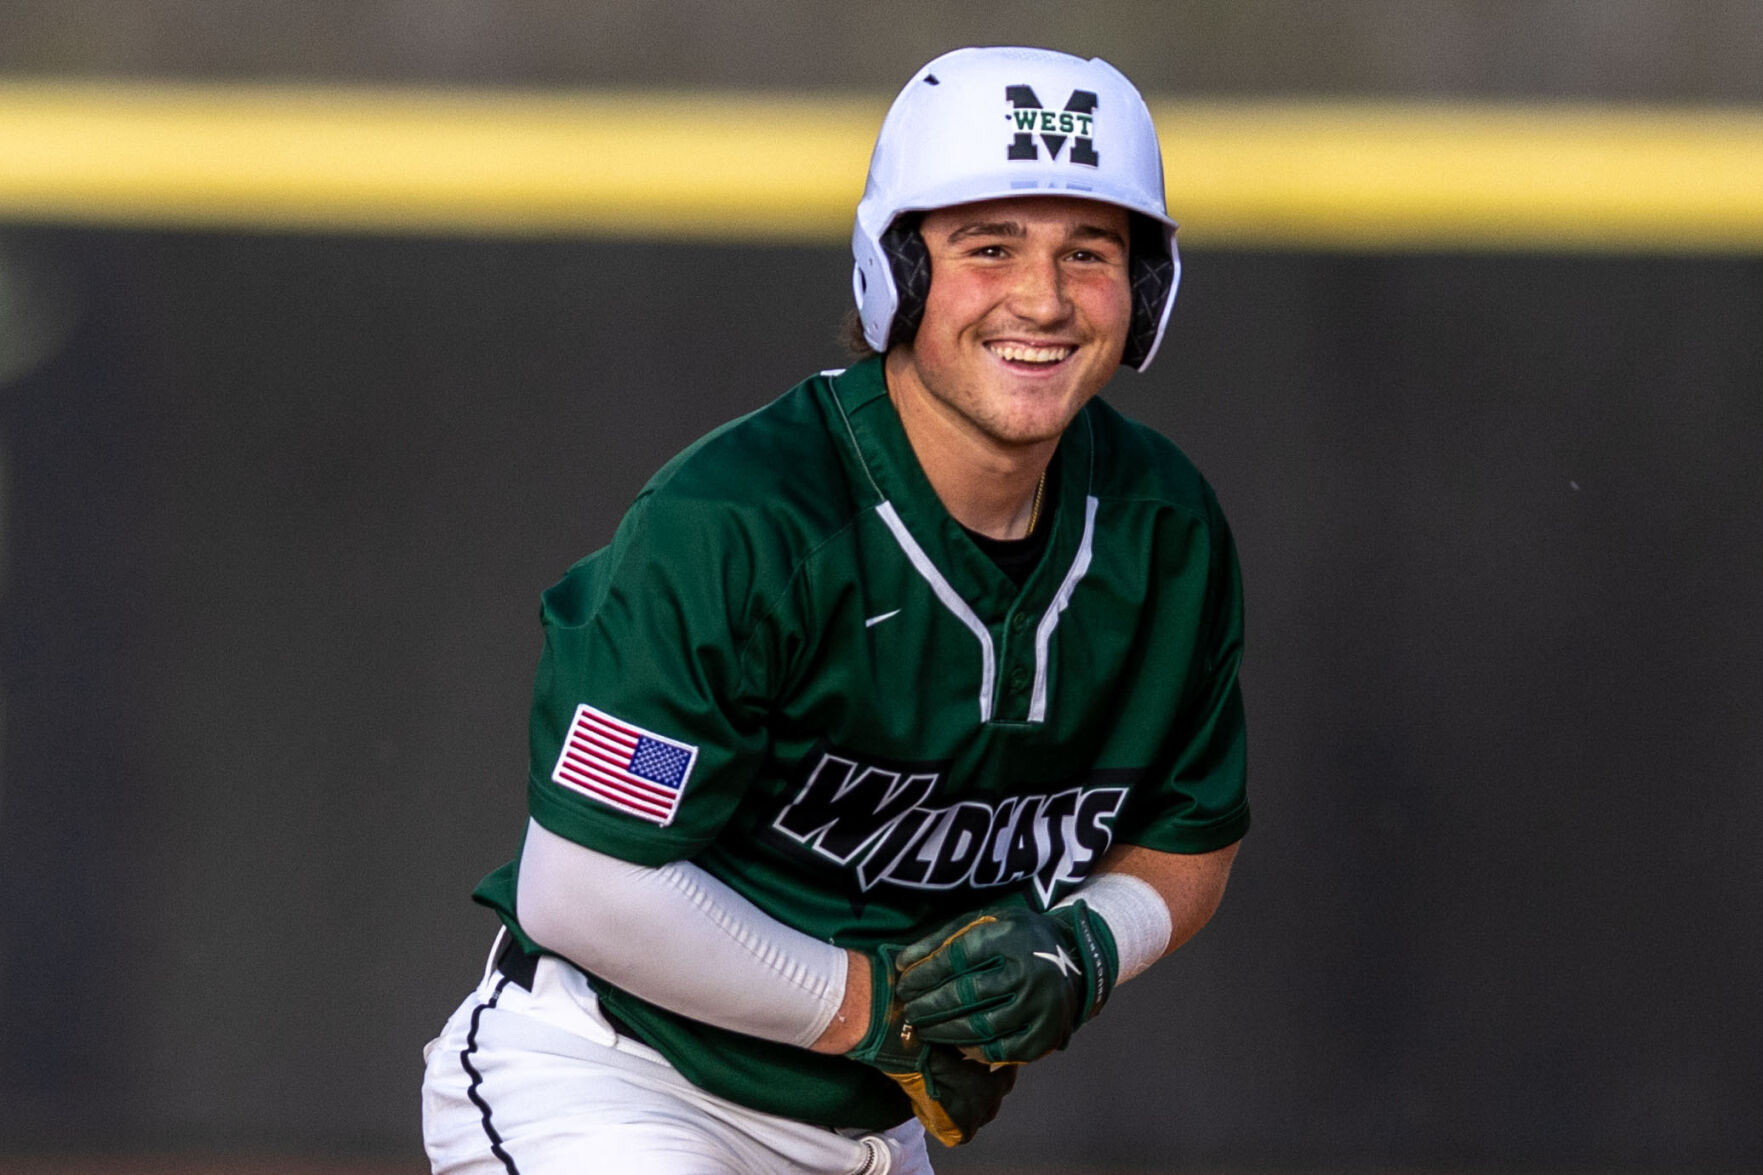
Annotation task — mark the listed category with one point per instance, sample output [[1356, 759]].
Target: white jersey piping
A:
[[1037, 708], [957, 606], [952, 601]]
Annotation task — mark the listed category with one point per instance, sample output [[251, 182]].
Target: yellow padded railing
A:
[[789, 167]]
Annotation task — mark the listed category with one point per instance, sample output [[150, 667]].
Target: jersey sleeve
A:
[[1200, 802], [646, 723]]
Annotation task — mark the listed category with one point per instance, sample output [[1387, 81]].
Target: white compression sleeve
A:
[[1135, 915], [678, 937]]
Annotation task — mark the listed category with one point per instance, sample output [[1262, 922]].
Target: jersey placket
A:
[[1013, 629], [1027, 632]]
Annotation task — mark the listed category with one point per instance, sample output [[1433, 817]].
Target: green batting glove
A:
[[952, 1096], [1008, 985]]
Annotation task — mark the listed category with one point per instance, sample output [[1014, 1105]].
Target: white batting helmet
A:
[[987, 124]]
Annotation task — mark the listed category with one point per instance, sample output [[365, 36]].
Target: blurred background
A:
[[286, 458]]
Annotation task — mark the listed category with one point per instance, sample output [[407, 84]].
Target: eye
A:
[[1094, 256]]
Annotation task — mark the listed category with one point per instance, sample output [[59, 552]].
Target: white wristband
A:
[[1134, 914]]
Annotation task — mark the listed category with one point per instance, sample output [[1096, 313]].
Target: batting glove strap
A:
[[1093, 944], [888, 1045]]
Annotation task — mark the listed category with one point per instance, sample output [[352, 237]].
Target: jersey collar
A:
[[889, 466]]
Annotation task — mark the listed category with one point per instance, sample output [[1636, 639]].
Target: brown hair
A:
[[851, 336]]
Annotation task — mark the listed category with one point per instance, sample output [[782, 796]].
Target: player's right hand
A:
[[950, 1095], [1008, 985]]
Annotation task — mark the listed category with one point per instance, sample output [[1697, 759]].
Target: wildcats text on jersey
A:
[[880, 822]]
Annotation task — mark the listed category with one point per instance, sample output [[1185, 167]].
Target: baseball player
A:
[[899, 723]]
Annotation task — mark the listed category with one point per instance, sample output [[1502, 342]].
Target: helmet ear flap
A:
[[1151, 270], [909, 261], [1152, 276]]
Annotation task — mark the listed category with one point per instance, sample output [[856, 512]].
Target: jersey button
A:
[[1019, 622], [1019, 678]]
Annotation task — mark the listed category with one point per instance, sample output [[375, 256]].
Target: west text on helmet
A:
[[1055, 126]]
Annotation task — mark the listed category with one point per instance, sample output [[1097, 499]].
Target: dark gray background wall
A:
[[1654, 50], [275, 516]]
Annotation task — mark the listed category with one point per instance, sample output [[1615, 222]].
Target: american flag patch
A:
[[624, 766]]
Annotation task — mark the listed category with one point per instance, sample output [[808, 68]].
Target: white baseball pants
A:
[[538, 1083]]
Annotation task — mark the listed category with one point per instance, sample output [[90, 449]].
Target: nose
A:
[[1038, 292]]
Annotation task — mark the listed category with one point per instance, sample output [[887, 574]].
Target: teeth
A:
[[1018, 353]]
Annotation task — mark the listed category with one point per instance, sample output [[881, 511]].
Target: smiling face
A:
[[1026, 318]]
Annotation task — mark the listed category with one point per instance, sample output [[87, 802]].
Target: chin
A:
[[1043, 421], [1029, 432]]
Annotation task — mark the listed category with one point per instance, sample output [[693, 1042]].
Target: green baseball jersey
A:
[[793, 667]]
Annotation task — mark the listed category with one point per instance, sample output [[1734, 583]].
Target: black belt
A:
[[514, 962]]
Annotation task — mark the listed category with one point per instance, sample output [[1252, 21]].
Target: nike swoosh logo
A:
[[875, 620]]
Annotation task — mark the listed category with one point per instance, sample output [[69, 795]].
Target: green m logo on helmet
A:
[[1075, 122]]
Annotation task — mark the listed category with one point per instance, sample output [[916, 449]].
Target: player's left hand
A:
[[1008, 985], [951, 1096]]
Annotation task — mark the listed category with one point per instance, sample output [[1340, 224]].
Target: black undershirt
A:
[[1017, 558], [1014, 557]]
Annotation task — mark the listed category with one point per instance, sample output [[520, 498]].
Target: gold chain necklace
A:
[[1034, 511]]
